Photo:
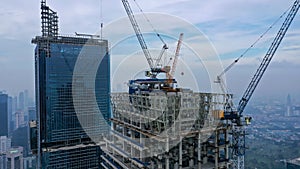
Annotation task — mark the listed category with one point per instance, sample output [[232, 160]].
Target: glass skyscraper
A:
[[68, 121], [3, 114], [72, 75]]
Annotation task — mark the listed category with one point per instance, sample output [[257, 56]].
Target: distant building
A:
[[288, 106], [10, 114], [3, 161], [296, 110], [26, 100], [62, 142], [293, 164], [14, 158], [3, 114], [30, 162], [19, 119], [14, 109], [20, 137], [33, 136], [21, 102], [15, 104], [31, 113], [5, 144]]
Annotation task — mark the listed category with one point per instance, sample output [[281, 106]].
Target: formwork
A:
[[167, 130]]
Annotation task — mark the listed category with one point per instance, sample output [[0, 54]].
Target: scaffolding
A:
[[163, 130], [49, 21]]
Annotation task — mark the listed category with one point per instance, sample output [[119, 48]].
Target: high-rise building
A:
[[65, 131], [33, 137], [29, 162], [15, 104], [14, 158], [10, 114], [26, 99], [296, 110], [5, 144], [21, 101], [3, 114], [31, 113], [14, 110], [288, 106], [20, 137], [19, 122], [3, 161]]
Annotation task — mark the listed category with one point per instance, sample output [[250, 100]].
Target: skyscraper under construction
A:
[[63, 138]]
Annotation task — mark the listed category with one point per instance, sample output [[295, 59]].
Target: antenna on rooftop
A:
[[101, 19]]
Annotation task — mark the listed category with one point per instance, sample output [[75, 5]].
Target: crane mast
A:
[[238, 130]]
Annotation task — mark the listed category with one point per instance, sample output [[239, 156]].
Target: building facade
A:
[[3, 114], [293, 164], [3, 161], [72, 105], [59, 125], [30, 162], [21, 102], [10, 114], [31, 113], [15, 158], [5, 144], [289, 106]]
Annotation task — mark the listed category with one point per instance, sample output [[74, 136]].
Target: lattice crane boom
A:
[[174, 65], [238, 131], [268, 57], [138, 33]]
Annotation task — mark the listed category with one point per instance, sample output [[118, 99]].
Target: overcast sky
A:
[[230, 25]]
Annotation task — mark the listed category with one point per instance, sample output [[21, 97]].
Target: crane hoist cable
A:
[[238, 130], [165, 46], [148, 20], [138, 33], [221, 81], [252, 45]]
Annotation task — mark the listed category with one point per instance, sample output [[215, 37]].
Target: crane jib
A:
[[238, 132], [268, 57]]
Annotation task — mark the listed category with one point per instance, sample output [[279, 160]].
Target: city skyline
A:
[[74, 91], [221, 22]]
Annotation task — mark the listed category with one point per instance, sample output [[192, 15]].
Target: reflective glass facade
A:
[[3, 114], [58, 123], [79, 158]]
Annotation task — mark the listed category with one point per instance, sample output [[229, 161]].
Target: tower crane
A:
[[154, 67], [173, 68], [235, 115], [170, 71]]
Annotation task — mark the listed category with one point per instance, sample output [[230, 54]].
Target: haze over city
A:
[[80, 88], [231, 26]]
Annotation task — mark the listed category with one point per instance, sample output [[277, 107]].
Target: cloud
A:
[[292, 48], [230, 26]]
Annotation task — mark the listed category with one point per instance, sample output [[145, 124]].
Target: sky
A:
[[230, 26]]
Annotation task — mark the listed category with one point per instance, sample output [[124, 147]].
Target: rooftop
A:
[[70, 39], [295, 161]]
